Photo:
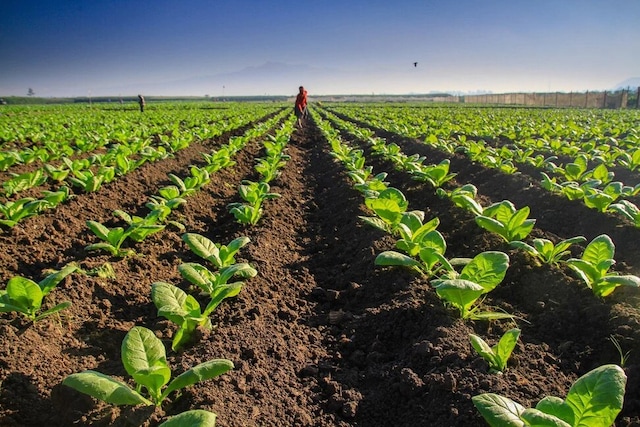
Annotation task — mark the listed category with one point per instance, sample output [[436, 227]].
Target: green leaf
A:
[[601, 248], [499, 411], [104, 388], [393, 258], [203, 247], [173, 303], [25, 293], [557, 407], [143, 357], [99, 230], [52, 280], [597, 397], [505, 347], [460, 293], [491, 225], [201, 372], [487, 269], [537, 418], [193, 418], [484, 350], [53, 310]]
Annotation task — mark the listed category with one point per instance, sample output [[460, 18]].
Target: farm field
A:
[[321, 336]]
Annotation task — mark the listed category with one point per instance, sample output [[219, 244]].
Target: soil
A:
[[321, 337]]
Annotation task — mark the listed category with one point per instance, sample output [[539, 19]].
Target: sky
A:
[[258, 47]]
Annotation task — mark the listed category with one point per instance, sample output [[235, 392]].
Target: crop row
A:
[[584, 174], [480, 275], [143, 354]]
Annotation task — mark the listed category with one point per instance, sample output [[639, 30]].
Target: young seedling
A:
[[593, 267], [144, 358], [595, 399], [498, 355], [25, 296], [479, 276], [546, 251], [112, 239]]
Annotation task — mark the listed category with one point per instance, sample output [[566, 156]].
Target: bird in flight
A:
[[415, 64]]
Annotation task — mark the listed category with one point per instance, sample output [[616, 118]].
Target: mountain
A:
[[633, 83], [270, 78]]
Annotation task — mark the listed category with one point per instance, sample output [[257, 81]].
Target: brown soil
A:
[[321, 337]]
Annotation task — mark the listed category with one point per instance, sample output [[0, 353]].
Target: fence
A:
[[604, 99]]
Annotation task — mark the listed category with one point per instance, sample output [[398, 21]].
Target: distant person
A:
[[301, 105], [141, 102]]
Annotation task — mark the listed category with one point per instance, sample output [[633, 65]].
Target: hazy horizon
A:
[[193, 48]]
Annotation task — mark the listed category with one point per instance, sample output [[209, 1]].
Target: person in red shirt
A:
[[301, 105]]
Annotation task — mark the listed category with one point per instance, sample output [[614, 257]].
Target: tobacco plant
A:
[[628, 210], [546, 251], [254, 193], [463, 197], [139, 228], [390, 206], [20, 209], [144, 358], [215, 283], [182, 309], [594, 400], [594, 265], [497, 355], [436, 175], [479, 276], [503, 219], [25, 296], [418, 240]]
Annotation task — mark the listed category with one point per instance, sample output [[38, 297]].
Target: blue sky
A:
[[249, 47]]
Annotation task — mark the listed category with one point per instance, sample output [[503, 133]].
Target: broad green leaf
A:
[[393, 258], [25, 293], [596, 398], [192, 418], [197, 274], [104, 388], [487, 269], [558, 408], [202, 246], [220, 293], [601, 248], [536, 418], [143, 357], [499, 411], [98, 229], [460, 293], [201, 372], [492, 225], [173, 303]]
